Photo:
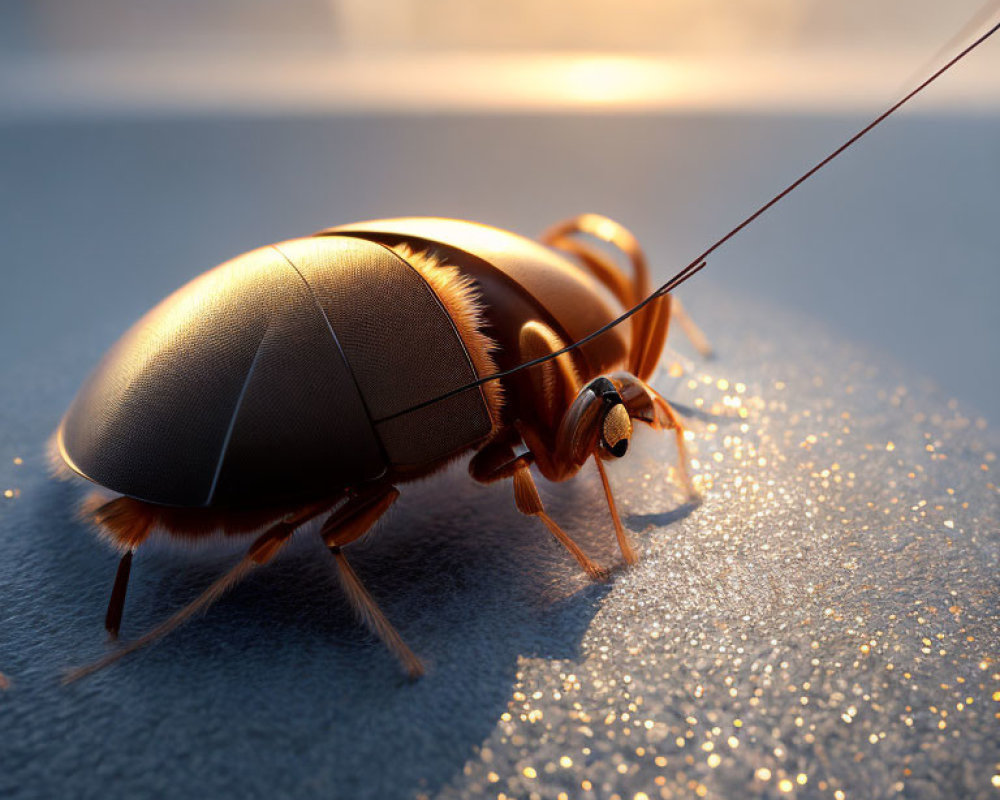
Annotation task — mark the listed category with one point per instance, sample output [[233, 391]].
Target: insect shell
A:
[[287, 383]]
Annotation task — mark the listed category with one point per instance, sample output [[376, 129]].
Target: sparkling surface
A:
[[824, 624]]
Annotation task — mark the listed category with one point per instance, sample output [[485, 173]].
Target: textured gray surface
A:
[[828, 612], [819, 558]]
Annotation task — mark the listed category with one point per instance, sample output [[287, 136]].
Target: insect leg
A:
[[556, 382], [345, 525], [649, 327], [603, 268], [497, 461], [116, 605], [127, 524], [557, 386], [528, 502], [674, 421], [646, 353], [371, 615], [627, 292], [623, 543], [261, 551], [694, 334], [607, 230], [668, 308], [647, 404]]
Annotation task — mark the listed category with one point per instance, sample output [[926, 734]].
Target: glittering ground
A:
[[824, 624]]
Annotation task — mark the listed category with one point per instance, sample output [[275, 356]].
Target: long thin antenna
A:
[[669, 286], [976, 21], [699, 262]]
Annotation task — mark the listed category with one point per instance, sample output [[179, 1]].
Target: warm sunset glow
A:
[[612, 80], [449, 56]]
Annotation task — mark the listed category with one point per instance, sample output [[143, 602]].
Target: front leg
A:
[[497, 461], [648, 405], [584, 426]]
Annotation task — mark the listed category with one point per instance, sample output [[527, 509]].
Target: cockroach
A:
[[310, 378]]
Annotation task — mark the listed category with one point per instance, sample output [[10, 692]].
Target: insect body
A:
[[309, 378], [287, 384]]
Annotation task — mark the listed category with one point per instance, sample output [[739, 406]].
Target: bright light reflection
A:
[[614, 80]]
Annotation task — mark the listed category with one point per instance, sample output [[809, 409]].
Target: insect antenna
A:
[[976, 21], [699, 262]]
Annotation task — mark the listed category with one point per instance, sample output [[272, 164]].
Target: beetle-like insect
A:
[[401, 343], [280, 386]]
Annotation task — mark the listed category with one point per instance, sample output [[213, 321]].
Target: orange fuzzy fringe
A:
[[458, 295], [126, 522]]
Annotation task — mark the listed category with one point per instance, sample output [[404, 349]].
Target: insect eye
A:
[[616, 430]]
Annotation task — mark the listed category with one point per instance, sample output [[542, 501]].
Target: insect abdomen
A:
[[269, 378], [215, 395]]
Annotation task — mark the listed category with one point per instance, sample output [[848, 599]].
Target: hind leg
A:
[[261, 551], [113, 617], [127, 522], [128, 525]]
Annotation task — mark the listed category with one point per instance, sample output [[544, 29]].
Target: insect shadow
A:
[[641, 522], [475, 585]]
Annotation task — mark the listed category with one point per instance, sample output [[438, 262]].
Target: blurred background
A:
[[141, 142], [492, 55]]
